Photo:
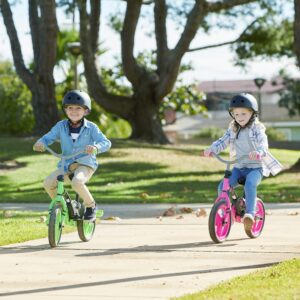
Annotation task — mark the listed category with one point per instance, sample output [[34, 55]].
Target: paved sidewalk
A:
[[144, 257]]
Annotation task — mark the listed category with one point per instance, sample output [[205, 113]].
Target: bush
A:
[[210, 132], [274, 134], [16, 116]]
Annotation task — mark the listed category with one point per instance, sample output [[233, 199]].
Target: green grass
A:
[[135, 173], [278, 282], [18, 226]]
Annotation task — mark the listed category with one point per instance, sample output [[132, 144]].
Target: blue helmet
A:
[[77, 97], [244, 100]]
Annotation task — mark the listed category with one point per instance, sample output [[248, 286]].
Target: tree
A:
[[149, 87], [39, 79]]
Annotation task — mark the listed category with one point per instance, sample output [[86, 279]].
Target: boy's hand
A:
[[38, 146], [91, 149], [255, 155], [207, 153]]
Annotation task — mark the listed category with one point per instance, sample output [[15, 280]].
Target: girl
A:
[[246, 137]]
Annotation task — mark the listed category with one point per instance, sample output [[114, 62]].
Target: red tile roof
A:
[[238, 86]]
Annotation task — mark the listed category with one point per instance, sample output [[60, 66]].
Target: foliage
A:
[[274, 134], [210, 132], [16, 116], [290, 96], [267, 38]]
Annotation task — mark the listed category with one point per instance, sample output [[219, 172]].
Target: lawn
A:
[[133, 173], [275, 283]]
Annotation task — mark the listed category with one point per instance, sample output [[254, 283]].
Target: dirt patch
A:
[[10, 165]]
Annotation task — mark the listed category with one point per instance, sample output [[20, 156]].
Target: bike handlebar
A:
[[64, 156], [229, 161]]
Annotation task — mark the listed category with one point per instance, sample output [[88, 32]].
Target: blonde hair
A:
[[234, 126]]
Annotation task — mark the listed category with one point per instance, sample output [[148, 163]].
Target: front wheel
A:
[[55, 226], [259, 220], [219, 222], [86, 229]]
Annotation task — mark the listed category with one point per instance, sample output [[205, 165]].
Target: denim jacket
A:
[[89, 134], [259, 140]]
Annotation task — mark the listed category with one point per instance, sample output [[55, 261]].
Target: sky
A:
[[211, 64]]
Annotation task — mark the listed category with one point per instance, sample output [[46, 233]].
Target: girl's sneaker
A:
[[248, 221]]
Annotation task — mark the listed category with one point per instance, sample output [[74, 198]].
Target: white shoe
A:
[[248, 221]]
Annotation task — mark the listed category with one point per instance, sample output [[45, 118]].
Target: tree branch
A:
[[34, 28], [119, 105], [225, 43], [48, 37], [95, 23], [160, 16], [131, 69], [171, 69], [23, 72], [226, 4]]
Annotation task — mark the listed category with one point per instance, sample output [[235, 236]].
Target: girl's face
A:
[[242, 115], [75, 113]]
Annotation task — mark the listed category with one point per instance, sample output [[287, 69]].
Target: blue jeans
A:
[[253, 179]]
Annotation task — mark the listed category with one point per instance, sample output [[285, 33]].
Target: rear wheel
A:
[[86, 229], [259, 220], [55, 226], [219, 221]]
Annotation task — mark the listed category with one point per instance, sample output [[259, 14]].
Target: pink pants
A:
[[82, 174]]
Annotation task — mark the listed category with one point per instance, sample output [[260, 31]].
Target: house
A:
[[218, 95]]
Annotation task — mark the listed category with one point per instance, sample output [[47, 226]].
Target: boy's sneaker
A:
[[90, 214], [248, 221]]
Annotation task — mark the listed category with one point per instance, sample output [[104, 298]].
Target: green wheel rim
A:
[[88, 228], [58, 225]]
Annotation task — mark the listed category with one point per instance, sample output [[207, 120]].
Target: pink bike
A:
[[229, 208]]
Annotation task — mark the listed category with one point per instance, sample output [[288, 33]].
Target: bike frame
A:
[[60, 196], [226, 189]]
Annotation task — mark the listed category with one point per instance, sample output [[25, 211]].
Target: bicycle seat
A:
[[242, 180]]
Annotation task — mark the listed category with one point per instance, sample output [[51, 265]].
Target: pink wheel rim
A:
[[259, 219], [222, 223]]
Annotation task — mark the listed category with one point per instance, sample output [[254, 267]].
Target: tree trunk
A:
[[297, 30], [145, 121], [44, 104]]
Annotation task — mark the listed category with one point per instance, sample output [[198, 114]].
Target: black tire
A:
[[220, 235], [86, 229], [259, 222], [55, 226]]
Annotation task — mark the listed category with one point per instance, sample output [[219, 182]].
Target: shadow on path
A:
[[133, 279]]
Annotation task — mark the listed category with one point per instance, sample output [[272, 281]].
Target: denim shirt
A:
[[89, 134], [258, 139]]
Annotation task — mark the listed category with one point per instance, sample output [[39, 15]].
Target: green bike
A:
[[63, 210]]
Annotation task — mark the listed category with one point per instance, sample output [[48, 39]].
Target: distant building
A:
[[218, 95]]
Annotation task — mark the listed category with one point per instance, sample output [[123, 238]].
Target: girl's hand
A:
[[38, 146], [255, 155], [207, 153], [89, 149]]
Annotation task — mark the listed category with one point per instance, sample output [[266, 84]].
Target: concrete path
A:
[[144, 257]]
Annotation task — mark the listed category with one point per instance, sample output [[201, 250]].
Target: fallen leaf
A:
[[8, 214], [143, 195], [201, 212], [169, 212], [43, 219], [112, 218], [186, 210], [180, 217], [293, 213]]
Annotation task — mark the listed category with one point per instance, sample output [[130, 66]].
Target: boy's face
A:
[[75, 112], [242, 115]]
